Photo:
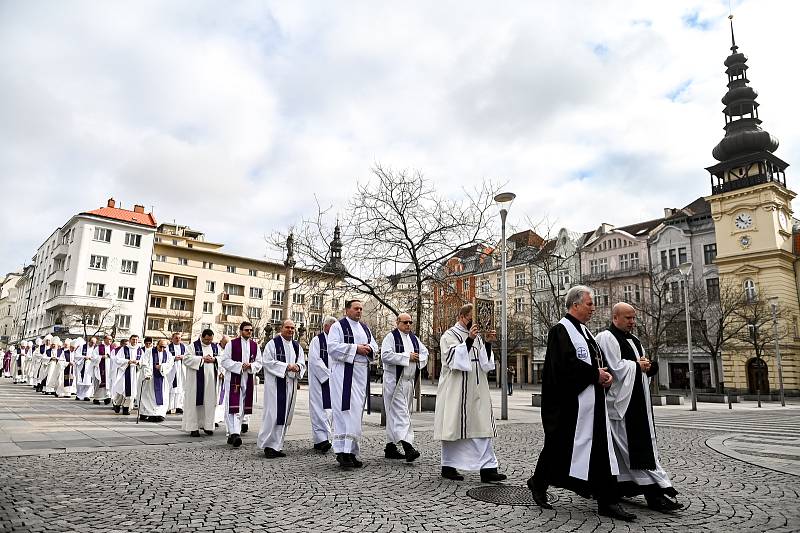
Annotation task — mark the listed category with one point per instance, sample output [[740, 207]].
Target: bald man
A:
[[631, 415], [402, 355]]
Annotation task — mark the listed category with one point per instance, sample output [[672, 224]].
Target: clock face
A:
[[744, 240], [743, 221], [783, 220]]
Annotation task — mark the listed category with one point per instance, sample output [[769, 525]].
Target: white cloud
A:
[[229, 117]]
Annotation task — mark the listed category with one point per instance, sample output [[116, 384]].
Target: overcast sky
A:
[[229, 116]]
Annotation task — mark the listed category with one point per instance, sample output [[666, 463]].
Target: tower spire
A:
[[734, 48]]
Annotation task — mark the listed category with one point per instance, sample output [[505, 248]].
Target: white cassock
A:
[[201, 387], [65, 385], [219, 412], [22, 371], [280, 389], [104, 371], [53, 375], [464, 421], [233, 420], [43, 359], [124, 386], [84, 371], [319, 392], [177, 376], [349, 381], [399, 378], [155, 382]]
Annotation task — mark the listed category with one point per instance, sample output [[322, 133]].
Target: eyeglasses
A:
[[406, 321], [248, 330]]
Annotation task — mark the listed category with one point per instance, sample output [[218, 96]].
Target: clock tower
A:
[[751, 208]]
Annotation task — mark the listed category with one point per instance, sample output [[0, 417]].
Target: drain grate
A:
[[502, 495]]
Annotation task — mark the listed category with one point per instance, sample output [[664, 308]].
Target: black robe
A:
[[563, 379]]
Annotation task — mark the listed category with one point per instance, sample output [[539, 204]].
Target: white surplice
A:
[[52, 370], [84, 371], [154, 379], [121, 363], [398, 395], [65, 386], [233, 421], [318, 375], [177, 376], [347, 417], [272, 434], [103, 358], [196, 417]]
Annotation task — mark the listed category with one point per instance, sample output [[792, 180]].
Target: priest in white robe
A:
[[24, 359], [351, 349], [463, 420], [284, 363], [104, 371], [319, 390], [127, 360], [154, 381], [65, 387], [177, 376], [52, 370], [402, 356], [241, 360], [84, 370], [201, 387], [37, 358], [630, 413], [578, 453]]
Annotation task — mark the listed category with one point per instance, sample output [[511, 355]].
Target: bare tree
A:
[[91, 319], [757, 330]]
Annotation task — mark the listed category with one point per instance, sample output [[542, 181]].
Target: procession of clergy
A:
[[596, 413]]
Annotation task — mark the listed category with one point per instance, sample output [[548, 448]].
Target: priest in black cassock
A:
[[631, 414], [578, 453]]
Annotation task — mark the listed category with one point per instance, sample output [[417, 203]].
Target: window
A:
[[598, 266], [180, 283], [231, 269], [91, 319], [335, 304], [183, 261], [210, 286], [234, 310], [295, 279], [179, 304], [276, 315], [278, 277], [161, 258], [601, 297], [298, 298], [709, 253], [125, 293], [631, 293], [541, 280], [519, 279], [252, 271], [712, 289], [160, 280], [230, 330], [499, 282], [101, 234], [682, 257], [123, 321], [177, 325], [484, 286], [133, 239], [208, 265], [157, 301], [465, 286], [634, 259], [519, 305], [97, 262], [129, 267], [205, 325], [254, 313], [256, 293], [208, 307], [96, 289], [277, 297], [673, 292], [233, 290], [317, 301], [750, 292], [298, 318], [564, 279], [315, 320]]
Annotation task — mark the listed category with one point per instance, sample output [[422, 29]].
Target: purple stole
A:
[[158, 379], [400, 348], [20, 353], [83, 367], [102, 351], [280, 383], [234, 393], [347, 384], [68, 370], [201, 375], [172, 351], [127, 351], [7, 361], [323, 354]]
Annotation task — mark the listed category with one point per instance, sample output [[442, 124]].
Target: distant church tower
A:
[[752, 212], [335, 264]]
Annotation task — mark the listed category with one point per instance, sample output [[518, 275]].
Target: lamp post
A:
[[773, 303], [504, 200], [686, 269]]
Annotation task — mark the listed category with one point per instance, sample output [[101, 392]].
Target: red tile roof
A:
[[114, 213]]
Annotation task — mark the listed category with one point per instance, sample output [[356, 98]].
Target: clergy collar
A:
[[284, 339], [575, 321], [353, 321], [615, 329], [461, 327]]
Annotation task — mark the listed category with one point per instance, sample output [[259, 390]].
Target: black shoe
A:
[[179, 411], [323, 446], [411, 453], [86, 399], [662, 504], [615, 511], [391, 452], [156, 419], [96, 402], [116, 409], [356, 462], [195, 433], [144, 418], [269, 453], [539, 494], [448, 472], [216, 425], [344, 460], [230, 439], [490, 475], [245, 427], [77, 399], [208, 432], [236, 440], [126, 410], [107, 401]]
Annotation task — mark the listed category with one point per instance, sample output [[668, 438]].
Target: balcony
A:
[[61, 250], [232, 298], [616, 273], [67, 300], [56, 276]]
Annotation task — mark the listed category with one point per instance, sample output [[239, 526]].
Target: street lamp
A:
[[686, 269], [773, 303], [504, 200]]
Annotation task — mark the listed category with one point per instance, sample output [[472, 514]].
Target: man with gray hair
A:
[[578, 452], [319, 391]]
